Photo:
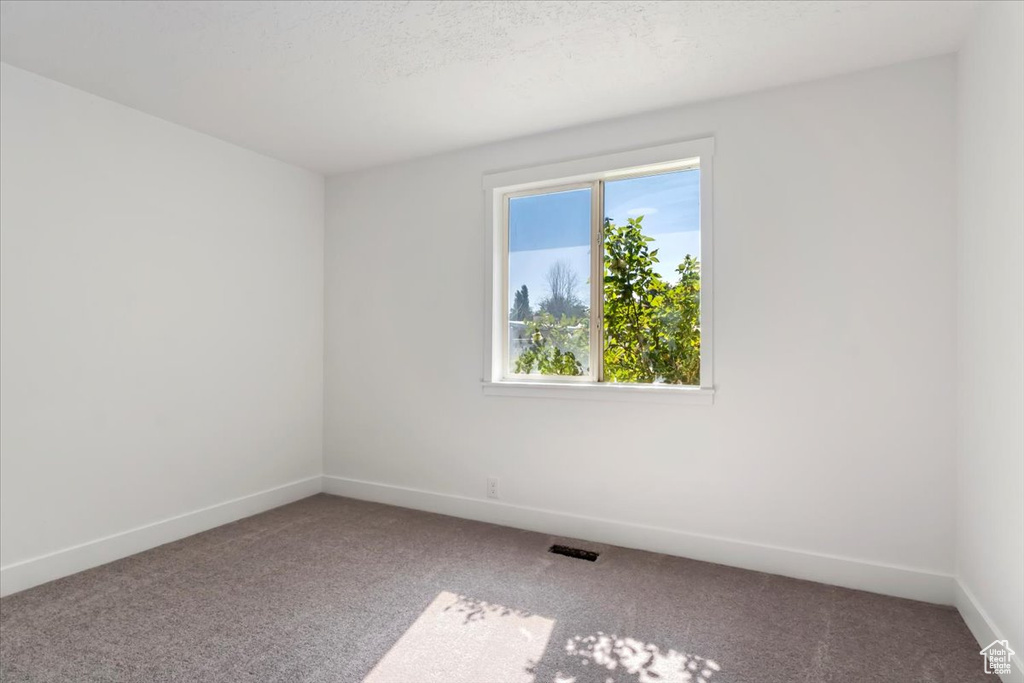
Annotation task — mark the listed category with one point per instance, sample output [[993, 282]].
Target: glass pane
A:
[[549, 283], [652, 279]]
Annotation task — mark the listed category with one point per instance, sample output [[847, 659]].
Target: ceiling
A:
[[335, 86]]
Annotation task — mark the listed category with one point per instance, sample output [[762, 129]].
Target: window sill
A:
[[631, 393]]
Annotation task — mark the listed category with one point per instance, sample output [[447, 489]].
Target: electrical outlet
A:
[[492, 487]]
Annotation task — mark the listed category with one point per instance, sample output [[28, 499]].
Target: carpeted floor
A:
[[333, 589]]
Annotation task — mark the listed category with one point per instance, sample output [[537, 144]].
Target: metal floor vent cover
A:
[[575, 553]]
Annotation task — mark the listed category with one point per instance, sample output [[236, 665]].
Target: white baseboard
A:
[[32, 572], [984, 629], [886, 579], [841, 571]]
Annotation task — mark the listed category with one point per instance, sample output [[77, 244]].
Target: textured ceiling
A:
[[335, 86]]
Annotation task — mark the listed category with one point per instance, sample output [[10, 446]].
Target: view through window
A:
[[639, 321]]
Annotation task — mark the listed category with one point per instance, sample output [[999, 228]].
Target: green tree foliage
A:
[[555, 345], [521, 306], [651, 327]]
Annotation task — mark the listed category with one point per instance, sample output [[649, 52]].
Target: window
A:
[[601, 277]]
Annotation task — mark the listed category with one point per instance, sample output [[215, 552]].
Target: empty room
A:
[[512, 342]]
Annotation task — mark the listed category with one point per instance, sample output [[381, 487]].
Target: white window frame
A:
[[578, 174]]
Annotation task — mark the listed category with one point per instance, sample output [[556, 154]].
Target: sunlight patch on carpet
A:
[[458, 639], [629, 659]]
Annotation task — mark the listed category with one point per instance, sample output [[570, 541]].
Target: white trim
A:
[[19, 576], [606, 165], [707, 271], [493, 284], [984, 629], [596, 364], [604, 391], [904, 582]]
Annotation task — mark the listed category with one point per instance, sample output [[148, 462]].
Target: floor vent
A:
[[576, 553]]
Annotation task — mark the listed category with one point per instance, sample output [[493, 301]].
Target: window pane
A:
[[652, 279], [549, 283]]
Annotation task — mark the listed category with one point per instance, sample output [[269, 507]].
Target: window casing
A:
[[502, 189]]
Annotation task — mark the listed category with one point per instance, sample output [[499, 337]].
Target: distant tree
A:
[[563, 301], [521, 306]]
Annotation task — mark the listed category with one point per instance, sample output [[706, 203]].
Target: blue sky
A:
[[669, 202], [549, 221], [544, 229]]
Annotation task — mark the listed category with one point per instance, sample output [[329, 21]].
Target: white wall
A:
[[162, 329], [990, 503], [832, 431]]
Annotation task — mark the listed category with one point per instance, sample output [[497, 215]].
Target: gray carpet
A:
[[333, 589]]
